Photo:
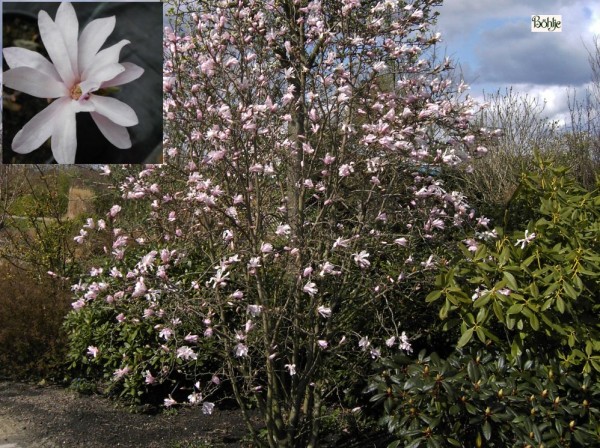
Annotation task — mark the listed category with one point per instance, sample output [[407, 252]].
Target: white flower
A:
[[291, 368], [114, 211], [140, 288], [283, 229], [324, 311], [169, 402], [165, 333], [120, 373], [525, 241], [186, 353], [405, 343], [340, 242], [195, 398], [78, 69], [191, 338], [401, 241], [254, 310], [92, 351], [364, 343], [310, 288], [266, 248], [361, 259], [345, 170], [241, 350], [207, 407]]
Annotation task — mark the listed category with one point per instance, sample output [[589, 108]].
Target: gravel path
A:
[[52, 417]]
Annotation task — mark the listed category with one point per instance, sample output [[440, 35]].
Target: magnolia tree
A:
[[303, 139]]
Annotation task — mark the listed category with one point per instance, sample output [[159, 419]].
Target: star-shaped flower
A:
[[77, 71]]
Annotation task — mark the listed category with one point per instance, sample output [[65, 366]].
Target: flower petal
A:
[[131, 73], [66, 21], [115, 110], [97, 76], [34, 82], [39, 128], [117, 135], [56, 47], [92, 38], [64, 137], [21, 57], [108, 56]]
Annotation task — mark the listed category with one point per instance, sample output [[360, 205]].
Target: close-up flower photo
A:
[[81, 84]]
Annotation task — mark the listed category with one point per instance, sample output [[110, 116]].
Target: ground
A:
[[33, 416]]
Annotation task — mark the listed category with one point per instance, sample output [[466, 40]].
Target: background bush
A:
[[526, 307]]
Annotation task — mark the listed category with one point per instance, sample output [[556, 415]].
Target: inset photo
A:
[[82, 83]]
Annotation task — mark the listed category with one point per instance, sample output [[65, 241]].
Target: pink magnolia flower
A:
[[291, 368], [361, 259], [310, 288], [324, 311], [169, 402], [207, 407], [186, 353], [120, 373], [77, 70]]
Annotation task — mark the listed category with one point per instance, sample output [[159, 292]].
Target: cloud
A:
[[494, 40], [512, 54]]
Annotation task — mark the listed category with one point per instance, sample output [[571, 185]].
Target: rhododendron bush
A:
[[300, 207]]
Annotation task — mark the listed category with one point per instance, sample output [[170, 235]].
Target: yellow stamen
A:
[[76, 92]]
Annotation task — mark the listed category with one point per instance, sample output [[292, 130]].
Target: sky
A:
[[493, 42]]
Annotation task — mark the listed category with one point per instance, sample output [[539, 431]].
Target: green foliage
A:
[[128, 339], [537, 288], [525, 309], [475, 398]]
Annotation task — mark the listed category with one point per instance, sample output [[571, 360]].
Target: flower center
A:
[[76, 92]]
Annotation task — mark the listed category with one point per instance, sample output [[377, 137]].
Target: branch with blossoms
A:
[[302, 194]]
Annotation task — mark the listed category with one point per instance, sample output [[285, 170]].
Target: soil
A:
[[34, 416]]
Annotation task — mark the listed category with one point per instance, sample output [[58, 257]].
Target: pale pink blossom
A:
[[169, 402], [405, 343], [237, 294], [186, 353], [120, 373], [165, 333], [361, 259], [345, 170], [78, 304], [114, 211], [254, 310], [241, 350], [78, 69], [140, 288], [526, 240], [207, 408], [192, 338], [81, 237], [266, 248], [92, 351], [310, 288], [324, 311]]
